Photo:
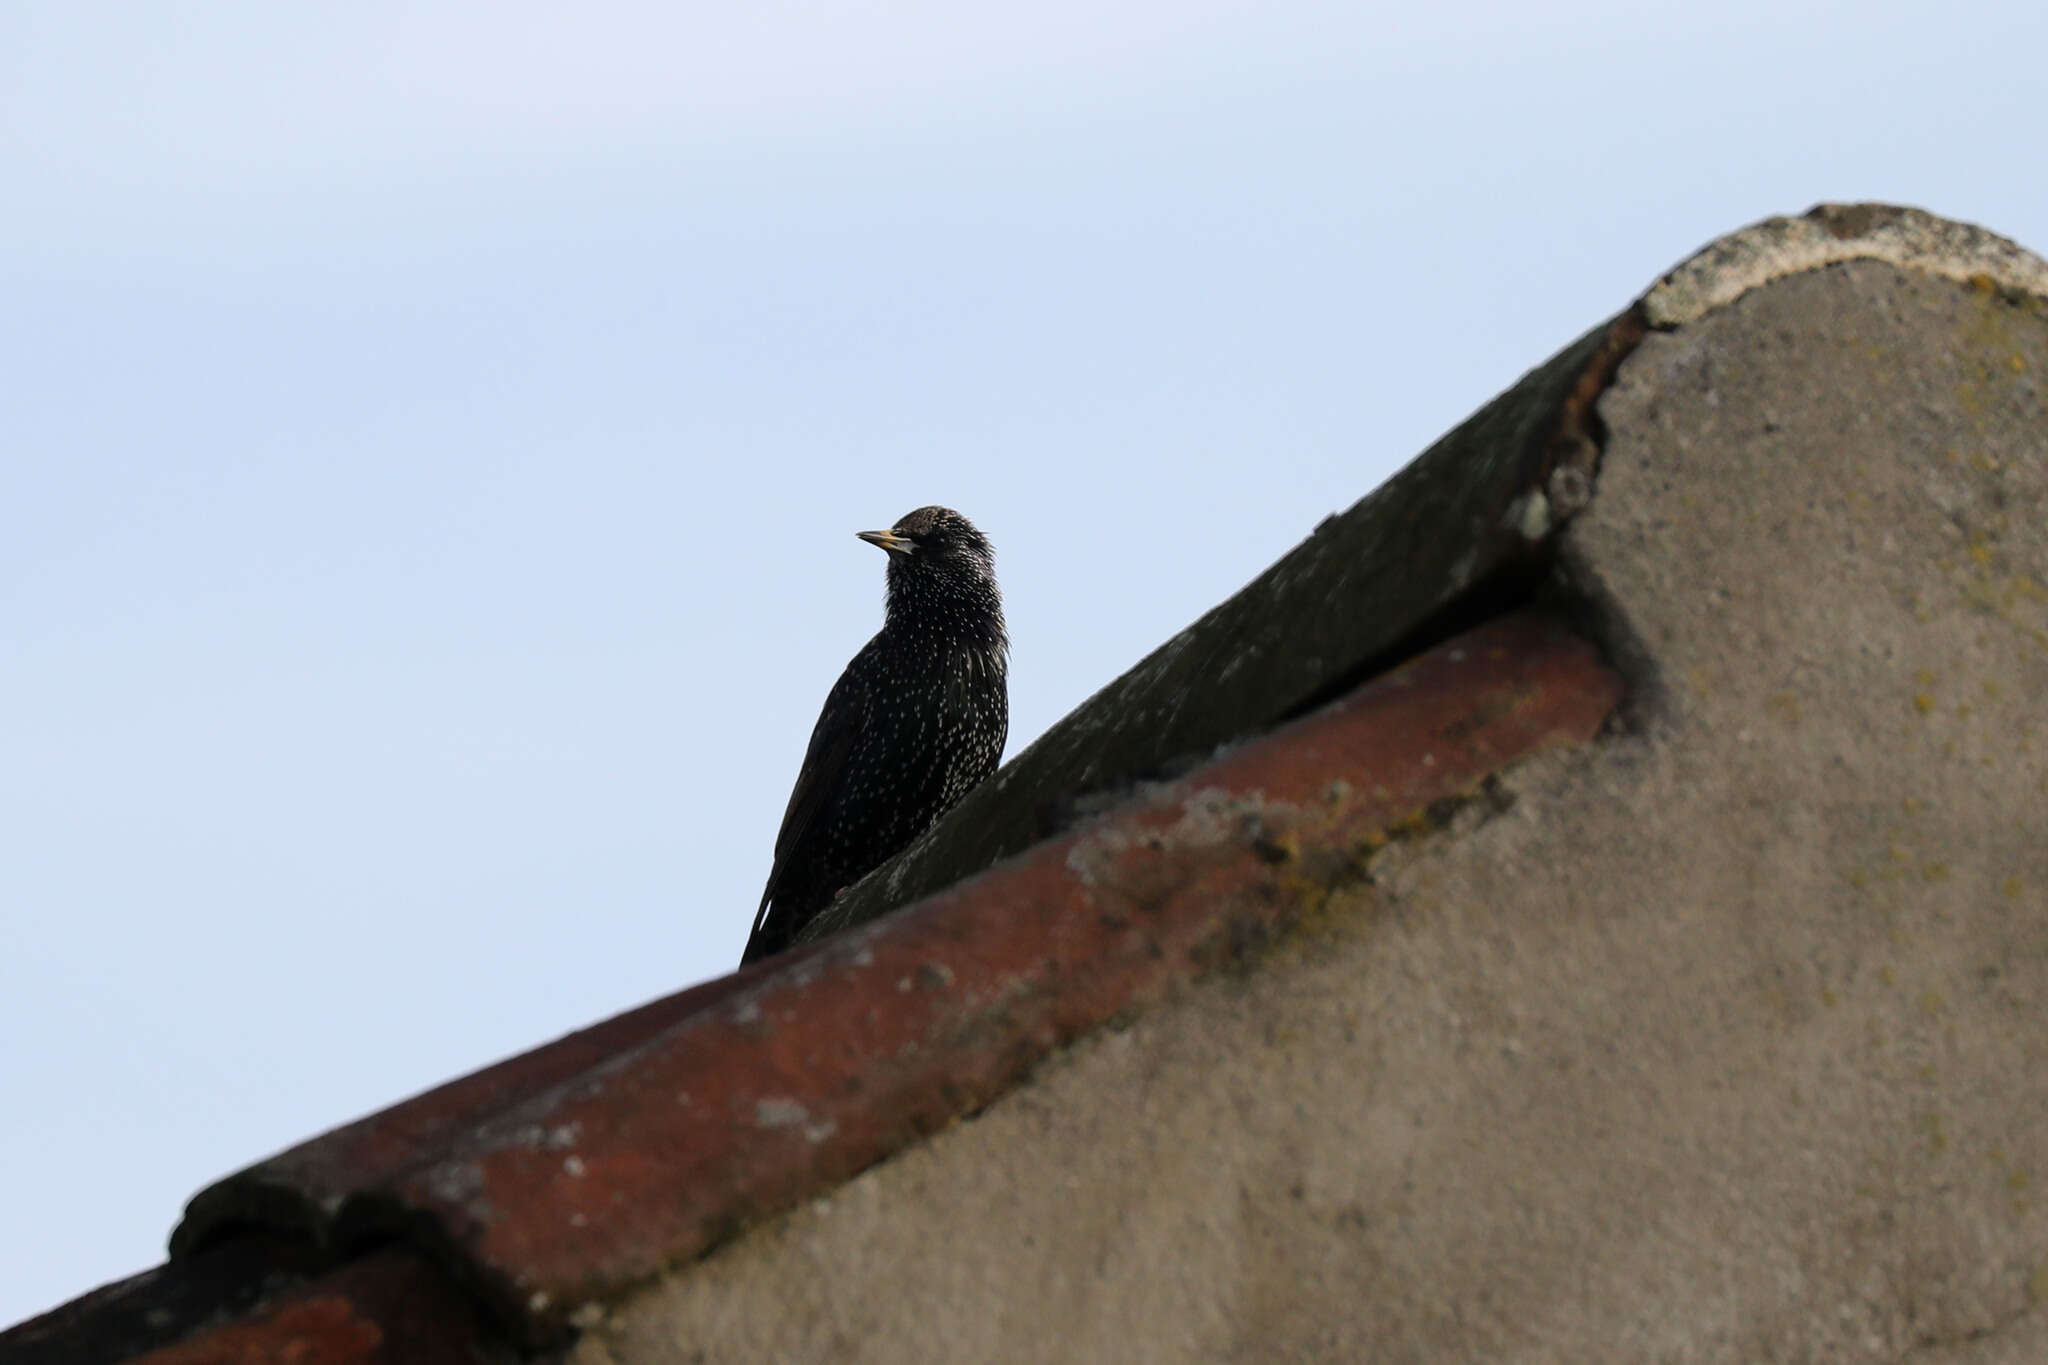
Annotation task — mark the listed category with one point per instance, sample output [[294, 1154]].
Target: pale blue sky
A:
[[435, 434]]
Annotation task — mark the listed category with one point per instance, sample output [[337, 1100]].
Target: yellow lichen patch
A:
[[2037, 1286], [1888, 976], [2018, 363], [1829, 998], [1923, 702], [1785, 706], [2009, 597], [2018, 1181], [2010, 888], [1923, 678], [1934, 872], [1931, 1003]]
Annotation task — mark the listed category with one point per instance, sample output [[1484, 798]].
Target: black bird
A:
[[916, 720]]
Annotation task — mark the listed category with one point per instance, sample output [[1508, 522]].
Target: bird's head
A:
[[937, 556]]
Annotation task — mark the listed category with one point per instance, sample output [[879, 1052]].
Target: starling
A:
[[916, 720]]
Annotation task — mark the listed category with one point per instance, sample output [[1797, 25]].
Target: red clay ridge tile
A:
[[791, 1080], [304, 1188], [389, 1308]]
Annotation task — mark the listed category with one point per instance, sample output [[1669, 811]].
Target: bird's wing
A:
[[823, 768]]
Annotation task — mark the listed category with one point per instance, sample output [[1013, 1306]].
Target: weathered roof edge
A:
[[302, 1189], [264, 1298], [1728, 267]]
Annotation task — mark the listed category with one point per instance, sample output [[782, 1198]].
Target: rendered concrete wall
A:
[[1728, 1041]]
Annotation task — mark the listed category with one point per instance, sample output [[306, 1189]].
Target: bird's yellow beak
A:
[[890, 541]]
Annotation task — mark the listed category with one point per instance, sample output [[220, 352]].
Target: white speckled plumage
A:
[[918, 718]]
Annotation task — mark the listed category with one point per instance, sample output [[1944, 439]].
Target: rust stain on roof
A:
[[573, 1173]]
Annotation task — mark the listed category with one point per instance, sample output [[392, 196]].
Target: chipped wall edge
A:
[[1729, 267]]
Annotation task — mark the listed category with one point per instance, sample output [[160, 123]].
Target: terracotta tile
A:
[[389, 1308], [165, 1304], [304, 1188]]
